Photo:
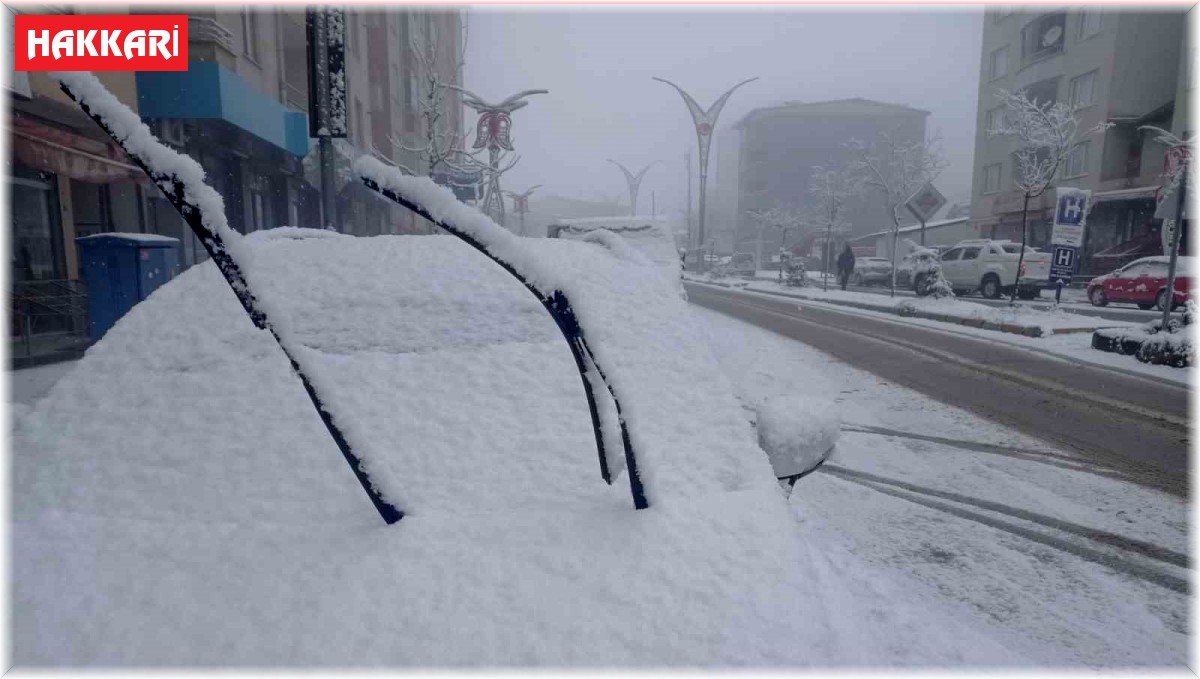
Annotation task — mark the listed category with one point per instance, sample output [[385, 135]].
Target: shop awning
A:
[[1139, 193], [65, 153]]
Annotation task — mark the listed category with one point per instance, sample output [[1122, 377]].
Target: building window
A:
[[998, 64], [1083, 90], [250, 34], [1089, 22], [991, 178], [1043, 92], [994, 124], [1043, 36], [1076, 164]]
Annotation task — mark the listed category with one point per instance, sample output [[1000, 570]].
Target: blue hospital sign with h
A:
[[1071, 209]]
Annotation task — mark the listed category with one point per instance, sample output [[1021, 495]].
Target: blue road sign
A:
[[1062, 263]]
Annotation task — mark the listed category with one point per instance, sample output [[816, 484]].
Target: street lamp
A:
[[705, 122], [634, 181], [521, 203], [493, 133]]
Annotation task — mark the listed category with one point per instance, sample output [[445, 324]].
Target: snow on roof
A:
[[140, 237], [854, 105], [914, 228], [203, 516]]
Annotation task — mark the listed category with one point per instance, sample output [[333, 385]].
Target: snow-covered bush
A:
[[797, 432], [927, 275]]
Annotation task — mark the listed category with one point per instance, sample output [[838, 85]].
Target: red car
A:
[[1143, 282]]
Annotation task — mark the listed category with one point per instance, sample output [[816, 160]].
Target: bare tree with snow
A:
[[896, 169], [829, 190], [1047, 133], [440, 140], [781, 218]]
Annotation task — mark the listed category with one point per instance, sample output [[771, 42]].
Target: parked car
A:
[[742, 264], [911, 262], [871, 271], [990, 266], [1143, 282]]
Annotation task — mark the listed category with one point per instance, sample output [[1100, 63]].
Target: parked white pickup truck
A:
[[990, 266]]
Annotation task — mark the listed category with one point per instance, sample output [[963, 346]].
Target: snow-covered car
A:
[[991, 266], [651, 237], [1143, 282], [178, 500], [872, 271]]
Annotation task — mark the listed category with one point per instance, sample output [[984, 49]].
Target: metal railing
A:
[[48, 313]]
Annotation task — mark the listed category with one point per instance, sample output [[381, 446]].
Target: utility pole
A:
[[326, 33], [1176, 235], [691, 233]]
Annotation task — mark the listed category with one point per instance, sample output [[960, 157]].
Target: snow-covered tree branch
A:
[[895, 169], [1046, 133]]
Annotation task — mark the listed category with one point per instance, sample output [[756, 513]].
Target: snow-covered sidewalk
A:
[[980, 527], [1020, 319]]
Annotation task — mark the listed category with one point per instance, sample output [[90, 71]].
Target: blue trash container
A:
[[122, 269]]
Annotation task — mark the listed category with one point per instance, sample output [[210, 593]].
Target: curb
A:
[[907, 311]]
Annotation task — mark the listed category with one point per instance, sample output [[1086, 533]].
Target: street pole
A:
[[320, 35], [687, 157], [1176, 236], [706, 123], [922, 233], [828, 249]]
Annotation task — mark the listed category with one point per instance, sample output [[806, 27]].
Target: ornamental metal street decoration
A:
[[705, 122], [493, 132], [634, 182]]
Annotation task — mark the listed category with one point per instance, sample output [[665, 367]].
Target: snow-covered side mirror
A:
[[798, 433]]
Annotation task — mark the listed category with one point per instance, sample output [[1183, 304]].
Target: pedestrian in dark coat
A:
[[845, 265]]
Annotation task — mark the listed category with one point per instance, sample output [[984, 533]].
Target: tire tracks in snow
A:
[[1042, 457], [1118, 552]]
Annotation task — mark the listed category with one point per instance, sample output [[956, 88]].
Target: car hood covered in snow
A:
[[177, 501]]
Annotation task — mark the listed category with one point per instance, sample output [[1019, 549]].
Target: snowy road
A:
[[931, 511], [1134, 428]]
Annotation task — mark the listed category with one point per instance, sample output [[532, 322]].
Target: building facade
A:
[[241, 111], [780, 146], [1118, 67]]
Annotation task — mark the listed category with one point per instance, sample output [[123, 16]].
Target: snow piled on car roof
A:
[[176, 500]]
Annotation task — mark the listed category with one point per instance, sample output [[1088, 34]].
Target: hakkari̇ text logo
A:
[[101, 42]]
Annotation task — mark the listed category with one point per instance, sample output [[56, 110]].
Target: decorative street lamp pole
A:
[[634, 181], [706, 122], [521, 203], [493, 133]]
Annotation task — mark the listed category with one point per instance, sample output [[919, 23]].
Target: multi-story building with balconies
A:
[[780, 146], [1116, 66]]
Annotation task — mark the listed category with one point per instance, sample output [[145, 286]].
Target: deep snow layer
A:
[[897, 557], [176, 501]]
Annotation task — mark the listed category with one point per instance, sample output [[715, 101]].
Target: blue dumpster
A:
[[122, 269]]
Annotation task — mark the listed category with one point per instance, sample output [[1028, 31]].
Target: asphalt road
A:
[[1128, 427]]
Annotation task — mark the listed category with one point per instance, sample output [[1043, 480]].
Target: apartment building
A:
[[1118, 66], [780, 146], [241, 111]]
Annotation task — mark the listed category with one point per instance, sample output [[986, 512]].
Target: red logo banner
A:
[[101, 42]]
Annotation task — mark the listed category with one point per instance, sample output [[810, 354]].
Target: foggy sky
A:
[[597, 63]]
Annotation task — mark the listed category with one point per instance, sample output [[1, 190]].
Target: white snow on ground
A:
[[1019, 314], [176, 500], [1054, 607], [1070, 346]]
